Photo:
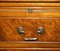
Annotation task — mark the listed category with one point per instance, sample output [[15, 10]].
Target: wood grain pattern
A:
[[29, 4], [22, 12], [11, 46], [8, 29], [14, 13], [11, 41], [34, 49], [29, 46], [24, 44], [29, 0]]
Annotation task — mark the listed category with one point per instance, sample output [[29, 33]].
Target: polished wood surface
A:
[[34, 46], [22, 12], [30, 0], [16, 4], [14, 14], [8, 29]]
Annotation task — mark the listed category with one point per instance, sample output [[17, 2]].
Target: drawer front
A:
[[28, 12], [10, 30]]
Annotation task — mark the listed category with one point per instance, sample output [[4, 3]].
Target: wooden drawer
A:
[[10, 39], [27, 12], [51, 32], [29, 26]]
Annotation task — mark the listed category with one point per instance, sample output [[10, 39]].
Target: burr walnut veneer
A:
[[29, 25]]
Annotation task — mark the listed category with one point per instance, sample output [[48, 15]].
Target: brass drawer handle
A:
[[40, 30], [30, 39], [20, 30]]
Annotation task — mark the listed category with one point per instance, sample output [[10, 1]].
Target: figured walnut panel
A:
[[8, 29]]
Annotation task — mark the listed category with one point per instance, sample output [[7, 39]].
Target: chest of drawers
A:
[[28, 25]]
